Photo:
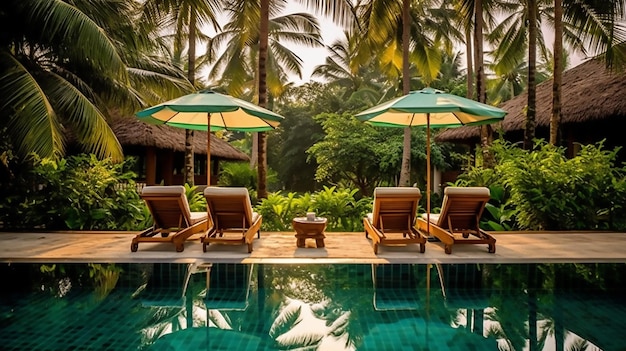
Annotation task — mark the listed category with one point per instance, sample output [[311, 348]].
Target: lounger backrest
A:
[[229, 207], [394, 208], [168, 206], [462, 207]]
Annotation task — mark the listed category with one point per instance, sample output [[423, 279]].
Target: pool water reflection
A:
[[312, 307]]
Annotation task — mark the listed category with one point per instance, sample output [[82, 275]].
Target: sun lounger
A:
[[459, 218], [173, 221], [393, 218], [233, 220]]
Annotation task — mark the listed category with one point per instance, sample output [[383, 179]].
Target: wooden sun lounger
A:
[[459, 218], [233, 220], [173, 221], [393, 218]]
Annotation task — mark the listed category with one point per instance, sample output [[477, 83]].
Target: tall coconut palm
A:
[[242, 36], [531, 109], [65, 66], [557, 76], [338, 10], [344, 69], [186, 18], [233, 53], [600, 25], [407, 35]]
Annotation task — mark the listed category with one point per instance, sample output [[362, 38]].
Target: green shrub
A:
[[240, 174], [343, 211], [543, 189], [79, 192]]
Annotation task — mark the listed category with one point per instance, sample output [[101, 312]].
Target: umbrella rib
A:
[[171, 118], [223, 121]]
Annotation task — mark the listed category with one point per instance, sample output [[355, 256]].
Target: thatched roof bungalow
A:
[[161, 151], [593, 108]]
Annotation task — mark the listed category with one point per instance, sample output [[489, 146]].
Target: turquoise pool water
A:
[[312, 307]]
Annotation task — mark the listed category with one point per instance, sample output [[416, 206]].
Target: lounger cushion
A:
[[237, 192], [198, 216], [476, 190], [434, 217], [167, 190], [396, 191]]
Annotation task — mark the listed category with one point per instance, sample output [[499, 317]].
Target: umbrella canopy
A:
[[430, 108], [207, 110]]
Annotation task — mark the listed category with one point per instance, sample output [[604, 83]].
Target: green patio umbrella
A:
[[430, 108], [206, 108]]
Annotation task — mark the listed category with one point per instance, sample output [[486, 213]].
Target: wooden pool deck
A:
[[280, 247]]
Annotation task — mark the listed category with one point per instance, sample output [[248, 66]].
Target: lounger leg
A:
[[249, 247], [376, 249], [422, 247], [448, 249], [204, 245], [492, 248], [180, 247]]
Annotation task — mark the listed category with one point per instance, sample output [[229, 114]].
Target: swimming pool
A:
[[312, 307]]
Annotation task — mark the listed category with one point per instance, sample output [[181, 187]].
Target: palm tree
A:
[[243, 39], [65, 66], [531, 110], [507, 83], [599, 24], [233, 68], [336, 9], [557, 50], [343, 69], [416, 36], [186, 17]]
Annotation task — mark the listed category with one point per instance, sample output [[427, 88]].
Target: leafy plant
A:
[[79, 192], [343, 211], [543, 189], [195, 198]]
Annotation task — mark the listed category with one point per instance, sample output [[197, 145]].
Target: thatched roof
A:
[[589, 92], [132, 131]]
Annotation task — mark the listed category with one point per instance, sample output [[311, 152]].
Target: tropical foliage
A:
[[79, 192], [343, 209], [543, 189], [66, 65]]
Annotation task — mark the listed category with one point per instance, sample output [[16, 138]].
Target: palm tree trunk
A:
[[470, 64], [191, 75], [263, 42], [486, 132], [529, 130], [405, 171], [555, 121]]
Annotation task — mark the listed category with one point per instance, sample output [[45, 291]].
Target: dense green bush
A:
[[543, 189], [240, 174], [342, 209], [79, 192]]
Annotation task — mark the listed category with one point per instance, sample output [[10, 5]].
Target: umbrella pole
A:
[[208, 150], [428, 173]]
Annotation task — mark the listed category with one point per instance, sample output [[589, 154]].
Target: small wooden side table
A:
[[306, 229]]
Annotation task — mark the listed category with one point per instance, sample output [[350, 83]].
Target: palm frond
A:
[[61, 24], [83, 118], [31, 120]]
